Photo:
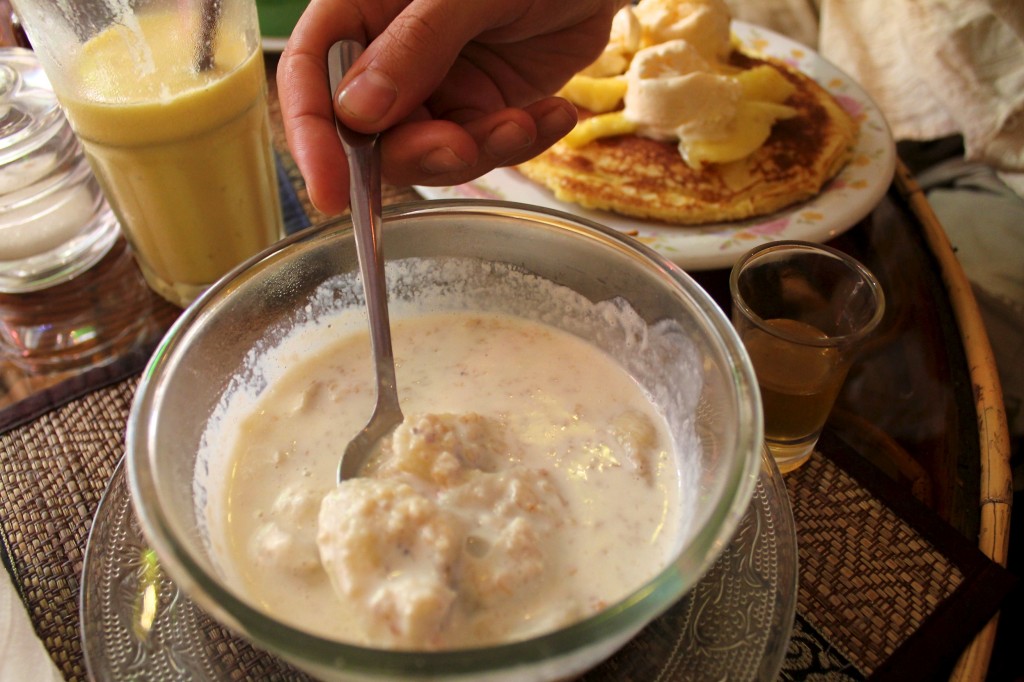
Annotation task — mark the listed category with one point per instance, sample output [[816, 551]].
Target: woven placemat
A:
[[877, 596], [868, 579], [888, 585], [52, 474]]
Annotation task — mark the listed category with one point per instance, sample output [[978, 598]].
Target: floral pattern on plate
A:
[[845, 200]]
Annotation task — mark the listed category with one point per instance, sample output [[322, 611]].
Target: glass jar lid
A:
[[29, 113]]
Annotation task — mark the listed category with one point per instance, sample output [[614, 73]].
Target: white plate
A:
[[274, 45], [849, 197]]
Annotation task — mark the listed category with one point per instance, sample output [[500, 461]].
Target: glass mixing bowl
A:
[[684, 352]]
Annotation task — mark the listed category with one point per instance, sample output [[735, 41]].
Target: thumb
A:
[[408, 61]]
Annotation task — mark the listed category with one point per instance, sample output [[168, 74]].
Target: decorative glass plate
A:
[[735, 624], [849, 197]]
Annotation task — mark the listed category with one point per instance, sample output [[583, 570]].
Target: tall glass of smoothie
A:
[[169, 100]]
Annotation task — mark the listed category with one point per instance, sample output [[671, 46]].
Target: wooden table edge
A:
[[996, 490]]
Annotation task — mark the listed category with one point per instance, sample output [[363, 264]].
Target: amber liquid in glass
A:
[[798, 386]]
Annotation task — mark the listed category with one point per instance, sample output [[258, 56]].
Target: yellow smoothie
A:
[[184, 157]]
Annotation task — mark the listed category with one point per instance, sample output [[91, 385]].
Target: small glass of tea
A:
[[802, 311]]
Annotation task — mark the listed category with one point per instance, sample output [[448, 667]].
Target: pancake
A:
[[640, 177]]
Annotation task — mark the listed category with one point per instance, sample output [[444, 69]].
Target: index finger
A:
[[307, 109]]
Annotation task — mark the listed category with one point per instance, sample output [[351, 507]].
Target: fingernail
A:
[[442, 160], [368, 97], [555, 123], [506, 140]]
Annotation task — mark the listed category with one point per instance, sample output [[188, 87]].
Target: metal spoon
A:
[[364, 169]]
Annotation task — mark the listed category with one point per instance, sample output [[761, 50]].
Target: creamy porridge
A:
[[532, 484]]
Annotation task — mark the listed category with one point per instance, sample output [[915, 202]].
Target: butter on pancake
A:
[[692, 134]]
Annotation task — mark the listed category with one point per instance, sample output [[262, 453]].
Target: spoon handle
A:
[[363, 156]]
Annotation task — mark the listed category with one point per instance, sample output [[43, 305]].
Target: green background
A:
[[278, 17]]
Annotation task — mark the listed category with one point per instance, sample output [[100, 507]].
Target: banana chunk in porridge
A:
[[437, 531]]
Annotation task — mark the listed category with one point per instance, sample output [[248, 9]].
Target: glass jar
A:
[[54, 220]]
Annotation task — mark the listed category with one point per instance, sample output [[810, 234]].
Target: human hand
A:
[[456, 87]]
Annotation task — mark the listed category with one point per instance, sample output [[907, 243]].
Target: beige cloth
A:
[[22, 654], [797, 19]]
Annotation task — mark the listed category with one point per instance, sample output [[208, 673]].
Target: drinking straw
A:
[[207, 32]]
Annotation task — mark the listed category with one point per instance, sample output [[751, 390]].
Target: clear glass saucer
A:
[[735, 624]]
